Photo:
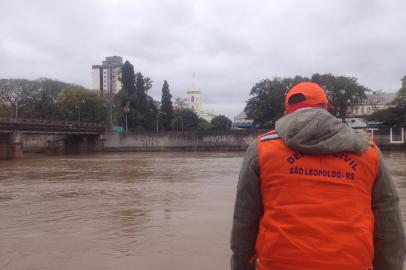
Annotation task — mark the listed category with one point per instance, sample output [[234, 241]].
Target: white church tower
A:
[[193, 97]]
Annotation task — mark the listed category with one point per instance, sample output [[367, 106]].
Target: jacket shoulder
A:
[[268, 136]]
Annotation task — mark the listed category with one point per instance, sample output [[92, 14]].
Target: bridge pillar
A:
[[99, 143], [16, 144], [72, 144], [56, 146], [4, 145], [79, 144], [83, 145], [11, 145], [95, 143]]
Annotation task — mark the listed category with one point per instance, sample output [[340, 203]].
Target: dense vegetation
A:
[[266, 103], [135, 110], [395, 115], [50, 99]]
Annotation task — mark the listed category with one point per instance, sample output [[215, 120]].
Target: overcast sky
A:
[[230, 45]]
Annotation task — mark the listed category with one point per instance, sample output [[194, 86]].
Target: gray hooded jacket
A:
[[318, 132]]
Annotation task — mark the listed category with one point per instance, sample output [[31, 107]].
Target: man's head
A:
[[306, 95]]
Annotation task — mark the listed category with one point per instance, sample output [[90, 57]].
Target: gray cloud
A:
[[230, 45]]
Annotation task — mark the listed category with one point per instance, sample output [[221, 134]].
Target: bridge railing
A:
[[59, 123]]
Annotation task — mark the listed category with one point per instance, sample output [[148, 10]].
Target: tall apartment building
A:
[[106, 77]]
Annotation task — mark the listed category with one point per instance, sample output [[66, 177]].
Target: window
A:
[[368, 109], [362, 109], [192, 99]]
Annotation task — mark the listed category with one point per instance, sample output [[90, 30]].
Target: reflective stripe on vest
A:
[[317, 208]]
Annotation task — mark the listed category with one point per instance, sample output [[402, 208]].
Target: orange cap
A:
[[313, 93]]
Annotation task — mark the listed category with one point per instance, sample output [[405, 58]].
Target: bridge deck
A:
[[8, 125]]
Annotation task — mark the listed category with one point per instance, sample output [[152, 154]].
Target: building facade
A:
[[374, 102], [194, 102], [241, 121], [208, 116], [106, 77], [194, 98]]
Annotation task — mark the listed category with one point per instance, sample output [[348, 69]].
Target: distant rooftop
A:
[[381, 97], [113, 60], [241, 115], [110, 62], [194, 88]]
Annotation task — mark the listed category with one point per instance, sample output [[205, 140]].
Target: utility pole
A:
[[157, 120], [126, 110], [82, 101]]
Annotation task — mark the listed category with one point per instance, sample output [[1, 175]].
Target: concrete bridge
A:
[[60, 136]]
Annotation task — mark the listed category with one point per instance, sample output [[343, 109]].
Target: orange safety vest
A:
[[317, 208]]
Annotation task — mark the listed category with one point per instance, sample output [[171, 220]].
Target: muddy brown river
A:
[[125, 210]]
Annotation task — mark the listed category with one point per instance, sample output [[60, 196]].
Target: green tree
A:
[[3, 111], [43, 103], [389, 117], [121, 106], [403, 81], [180, 103], [394, 116], [128, 79], [80, 104], [203, 125], [132, 100], [343, 92], [124, 99], [185, 120], [16, 93], [143, 109], [400, 100], [267, 102], [221, 122], [166, 111]]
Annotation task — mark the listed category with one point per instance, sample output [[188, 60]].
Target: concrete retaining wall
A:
[[172, 141], [207, 141], [4, 150], [38, 143], [389, 138], [191, 141]]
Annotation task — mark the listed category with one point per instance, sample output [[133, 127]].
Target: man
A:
[[315, 194]]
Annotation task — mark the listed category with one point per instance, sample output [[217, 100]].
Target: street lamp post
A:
[[157, 120], [157, 124], [82, 101], [126, 110]]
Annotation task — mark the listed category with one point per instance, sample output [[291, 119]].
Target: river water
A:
[[125, 210]]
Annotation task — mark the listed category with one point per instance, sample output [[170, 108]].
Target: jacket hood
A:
[[316, 131]]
